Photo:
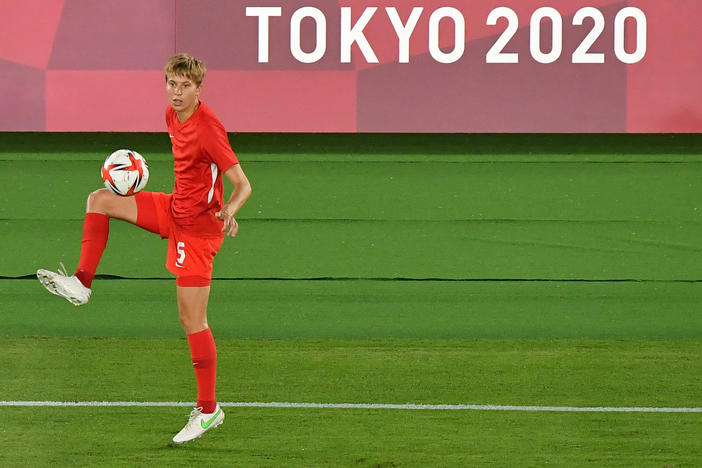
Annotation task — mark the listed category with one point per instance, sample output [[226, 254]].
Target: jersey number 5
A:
[[181, 254]]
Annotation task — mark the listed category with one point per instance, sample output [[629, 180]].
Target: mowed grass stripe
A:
[[341, 189], [357, 145], [388, 406], [577, 373], [274, 437], [517, 249], [261, 309], [357, 219]]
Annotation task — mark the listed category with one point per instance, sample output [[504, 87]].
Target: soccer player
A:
[[194, 218]]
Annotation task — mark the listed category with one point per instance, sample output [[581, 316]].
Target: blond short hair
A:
[[188, 66]]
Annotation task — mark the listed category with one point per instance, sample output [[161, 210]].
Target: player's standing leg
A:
[[192, 308], [101, 206]]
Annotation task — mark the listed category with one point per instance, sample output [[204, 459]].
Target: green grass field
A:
[[519, 270]]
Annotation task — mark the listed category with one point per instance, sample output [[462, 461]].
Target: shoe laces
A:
[[62, 269], [193, 415]]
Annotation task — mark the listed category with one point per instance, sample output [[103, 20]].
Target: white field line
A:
[[371, 406]]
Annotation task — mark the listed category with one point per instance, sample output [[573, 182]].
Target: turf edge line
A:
[[579, 409]]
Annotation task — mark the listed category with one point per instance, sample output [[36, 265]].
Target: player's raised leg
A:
[[192, 307], [101, 206]]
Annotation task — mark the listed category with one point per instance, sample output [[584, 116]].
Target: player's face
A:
[[183, 95]]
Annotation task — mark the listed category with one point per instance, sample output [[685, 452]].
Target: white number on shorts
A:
[[181, 254]]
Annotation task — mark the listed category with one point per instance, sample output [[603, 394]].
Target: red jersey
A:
[[201, 153]]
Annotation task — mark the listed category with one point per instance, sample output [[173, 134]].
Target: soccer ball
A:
[[125, 172]]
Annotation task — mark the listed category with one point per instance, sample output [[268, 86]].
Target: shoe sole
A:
[[214, 425], [47, 280]]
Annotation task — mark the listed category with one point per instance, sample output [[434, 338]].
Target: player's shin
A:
[[204, 357], [96, 228]]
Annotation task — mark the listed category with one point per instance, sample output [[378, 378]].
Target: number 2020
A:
[[582, 53]]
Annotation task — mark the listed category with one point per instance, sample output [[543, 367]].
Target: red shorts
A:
[[189, 257]]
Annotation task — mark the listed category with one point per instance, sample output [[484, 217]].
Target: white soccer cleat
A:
[[68, 287], [198, 424]]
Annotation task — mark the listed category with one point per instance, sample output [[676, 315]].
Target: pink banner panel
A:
[[224, 36], [358, 65], [664, 91], [22, 96], [256, 101], [381, 34], [114, 35], [27, 30], [428, 96], [105, 101]]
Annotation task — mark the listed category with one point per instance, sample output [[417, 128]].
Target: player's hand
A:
[[231, 227]]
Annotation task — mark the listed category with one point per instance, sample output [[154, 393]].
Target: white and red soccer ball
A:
[[125, 172]]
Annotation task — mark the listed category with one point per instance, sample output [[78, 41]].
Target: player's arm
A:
[[241, 193]]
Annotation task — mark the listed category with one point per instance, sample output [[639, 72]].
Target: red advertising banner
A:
[[465, 66]]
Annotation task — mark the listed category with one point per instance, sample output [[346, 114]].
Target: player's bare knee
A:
[[184, 319], [192, 324], [99, 201]]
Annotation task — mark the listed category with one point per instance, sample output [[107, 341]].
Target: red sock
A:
[[204, 355], [96, 228]]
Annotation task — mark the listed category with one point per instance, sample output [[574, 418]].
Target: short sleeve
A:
[[216, 145]]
